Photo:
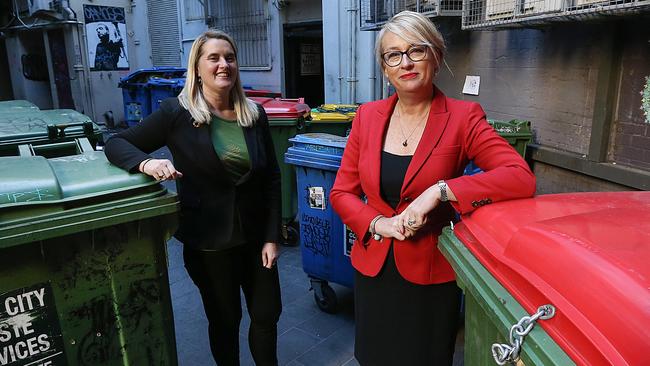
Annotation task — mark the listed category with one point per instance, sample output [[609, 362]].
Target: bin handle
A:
[[58, 131], [509, 353], [300, 125], [82, 145]]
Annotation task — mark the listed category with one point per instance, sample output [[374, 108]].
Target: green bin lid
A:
[[17, 106], [42, 198], [32, 126], [512, 127]]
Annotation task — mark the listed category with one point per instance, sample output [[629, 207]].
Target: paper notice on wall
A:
[[472, 84]]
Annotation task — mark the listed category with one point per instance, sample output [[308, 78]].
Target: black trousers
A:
[[219, 275]]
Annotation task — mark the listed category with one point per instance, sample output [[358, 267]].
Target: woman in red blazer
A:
[[406, 155]]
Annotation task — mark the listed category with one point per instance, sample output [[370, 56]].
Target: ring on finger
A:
[[410, 222]]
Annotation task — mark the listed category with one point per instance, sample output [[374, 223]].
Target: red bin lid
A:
[[588, 254], [282, 107]]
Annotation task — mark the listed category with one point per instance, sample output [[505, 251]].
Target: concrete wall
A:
[[550, 78]]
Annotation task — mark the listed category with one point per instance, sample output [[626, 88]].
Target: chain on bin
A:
[[509, 353]]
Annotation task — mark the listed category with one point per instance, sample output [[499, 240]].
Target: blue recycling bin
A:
[[136, 91], [161, 89], [324, 240]]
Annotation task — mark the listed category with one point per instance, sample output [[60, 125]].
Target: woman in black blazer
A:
[[228, 184]]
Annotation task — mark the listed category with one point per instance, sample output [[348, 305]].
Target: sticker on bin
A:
[[349, 237], [317, 198], [29, 328]]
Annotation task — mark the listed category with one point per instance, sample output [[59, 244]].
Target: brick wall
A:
[[551, 179], [630, 140]]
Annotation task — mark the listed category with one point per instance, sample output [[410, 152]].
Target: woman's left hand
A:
[[270, 254], [415, 215]]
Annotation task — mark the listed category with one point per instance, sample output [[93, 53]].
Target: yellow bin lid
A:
[[317, 116]]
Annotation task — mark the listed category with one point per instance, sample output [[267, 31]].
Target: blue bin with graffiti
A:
[[325, 242], [136, 91]]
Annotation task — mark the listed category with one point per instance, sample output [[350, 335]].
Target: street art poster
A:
[[106, 37]]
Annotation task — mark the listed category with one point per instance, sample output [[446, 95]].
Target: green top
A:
[[228, 141], [230, 145]]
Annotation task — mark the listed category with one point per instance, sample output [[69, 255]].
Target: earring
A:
[[200, 81]]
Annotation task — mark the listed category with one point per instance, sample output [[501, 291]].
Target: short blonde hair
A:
[[191, 97], [414, 28]]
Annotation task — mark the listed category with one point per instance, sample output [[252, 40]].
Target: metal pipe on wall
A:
[[352, 49]]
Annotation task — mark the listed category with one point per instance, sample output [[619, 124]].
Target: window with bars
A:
[[248, 23], [374, 13], [503, 13], [194, 9]]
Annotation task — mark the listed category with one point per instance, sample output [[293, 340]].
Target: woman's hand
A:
[[415, 215], [161, 169], [270, 254], [389, 227]]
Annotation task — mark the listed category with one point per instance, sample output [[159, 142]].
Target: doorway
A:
[[303, 62]]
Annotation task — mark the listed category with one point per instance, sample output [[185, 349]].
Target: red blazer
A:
[[456, 132]]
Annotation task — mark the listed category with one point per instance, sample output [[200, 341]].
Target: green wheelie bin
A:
[[83, 267], [287, 117]]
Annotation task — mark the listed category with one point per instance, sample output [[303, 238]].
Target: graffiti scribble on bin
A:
[[315, 234]]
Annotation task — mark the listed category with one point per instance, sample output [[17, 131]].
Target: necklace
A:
[[405, 143]]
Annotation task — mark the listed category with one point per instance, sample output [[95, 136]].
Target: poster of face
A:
[[106, 32]]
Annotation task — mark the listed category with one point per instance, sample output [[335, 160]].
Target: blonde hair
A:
[[414, 28], [191, 97]]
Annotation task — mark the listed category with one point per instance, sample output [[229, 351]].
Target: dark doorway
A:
[[6, 92], [303, 62]]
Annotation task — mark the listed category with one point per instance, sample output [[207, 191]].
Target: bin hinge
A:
[[509, 353]]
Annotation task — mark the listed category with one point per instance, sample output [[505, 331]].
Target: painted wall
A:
[[271, 79], [299, 11], [351, 73], [103, 84], [19, 44]]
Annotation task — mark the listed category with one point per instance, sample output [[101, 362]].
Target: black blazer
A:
[[208, 198]]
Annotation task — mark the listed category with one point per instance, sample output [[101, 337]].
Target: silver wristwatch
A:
[[443, 191]]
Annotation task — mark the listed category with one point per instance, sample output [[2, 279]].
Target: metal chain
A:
[[509, 353]]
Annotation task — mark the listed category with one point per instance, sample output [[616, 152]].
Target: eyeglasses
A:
[[414, 53]]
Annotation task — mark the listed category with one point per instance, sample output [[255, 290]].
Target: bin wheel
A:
[[291, 235], [328, 302]]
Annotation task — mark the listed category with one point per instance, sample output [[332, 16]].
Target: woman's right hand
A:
[[390, 227], [160, 169]]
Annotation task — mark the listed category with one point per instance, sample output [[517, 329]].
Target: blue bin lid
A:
[[142, 76], [170, 83], [316, 150]]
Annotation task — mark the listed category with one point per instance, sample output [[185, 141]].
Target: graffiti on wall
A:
[[106, 30]]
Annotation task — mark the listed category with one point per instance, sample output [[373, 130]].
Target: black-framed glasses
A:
[[414, 53]]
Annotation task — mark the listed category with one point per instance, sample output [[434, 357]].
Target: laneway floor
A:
[[306, 335]]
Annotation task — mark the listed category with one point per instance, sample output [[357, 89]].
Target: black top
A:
[[393, 171], [209, 199]]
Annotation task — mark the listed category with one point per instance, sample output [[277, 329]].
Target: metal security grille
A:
[[164, 32], [194, 9], [374, 13], [248, 23], [489, 14]]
